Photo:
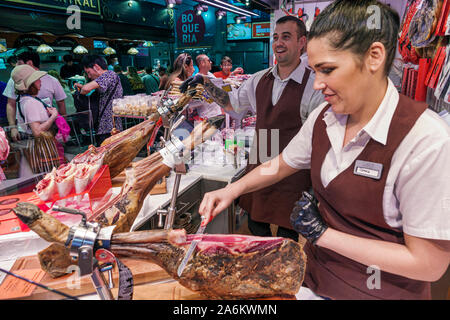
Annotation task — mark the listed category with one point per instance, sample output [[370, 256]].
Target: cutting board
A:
[[170, 290], [173, 290], [143, 272]]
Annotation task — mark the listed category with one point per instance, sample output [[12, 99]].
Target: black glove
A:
[[306, 219], [191, 82]]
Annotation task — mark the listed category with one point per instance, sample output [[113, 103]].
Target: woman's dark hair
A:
[[301, 28], [356, 24], [184, 59], [90, 60]]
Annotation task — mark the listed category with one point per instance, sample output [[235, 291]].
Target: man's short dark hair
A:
[[12, 60], [226, 59], [90, 60], [117, 68], [30, 55], [301, 28], [149, 70], [346, 26], [67, 58]]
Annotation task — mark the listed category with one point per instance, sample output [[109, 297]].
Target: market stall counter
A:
[[18, 250]]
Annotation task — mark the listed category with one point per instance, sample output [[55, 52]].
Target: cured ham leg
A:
[[65, 176], [47, 186], [222, 266], [117, 152], [140, 178], [120, 150]]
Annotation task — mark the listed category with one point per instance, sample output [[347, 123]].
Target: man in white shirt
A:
[[282, 98], [50, 89], [204, 65]]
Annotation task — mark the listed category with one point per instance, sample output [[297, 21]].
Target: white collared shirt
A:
[[245, 97], [416, 197]]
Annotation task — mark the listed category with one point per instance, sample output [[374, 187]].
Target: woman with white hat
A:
[[31, 110], [38, 117]]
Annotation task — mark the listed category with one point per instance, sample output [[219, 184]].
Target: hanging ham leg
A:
[[222, 266], [140, 178]]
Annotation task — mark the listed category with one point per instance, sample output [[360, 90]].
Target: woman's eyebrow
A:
[[318, 65]]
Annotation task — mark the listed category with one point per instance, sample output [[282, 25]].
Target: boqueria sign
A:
[[86, 6], [190, 28]]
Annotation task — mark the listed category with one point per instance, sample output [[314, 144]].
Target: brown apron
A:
[[274, 204], [353, 204]]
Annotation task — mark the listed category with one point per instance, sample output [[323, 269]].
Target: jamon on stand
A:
[[140, 178], [117, 152], [222, 267]]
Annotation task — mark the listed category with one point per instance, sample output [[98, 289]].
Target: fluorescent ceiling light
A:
[[234, 9]]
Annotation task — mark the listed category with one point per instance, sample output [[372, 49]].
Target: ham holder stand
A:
[[86, 236], [170, 121]]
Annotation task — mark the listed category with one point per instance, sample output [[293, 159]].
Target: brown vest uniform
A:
[[274, 204], [353, 204]]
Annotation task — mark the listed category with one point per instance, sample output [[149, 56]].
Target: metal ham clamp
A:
[[173, 149], [89, 243]]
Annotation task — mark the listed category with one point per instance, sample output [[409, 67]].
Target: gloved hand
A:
[[191, 82], [306, 219]]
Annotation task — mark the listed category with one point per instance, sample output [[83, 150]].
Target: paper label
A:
[[13, 287]]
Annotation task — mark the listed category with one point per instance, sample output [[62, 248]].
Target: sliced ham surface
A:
[[46, 188]]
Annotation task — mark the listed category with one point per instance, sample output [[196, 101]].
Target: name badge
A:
[[368, 169]]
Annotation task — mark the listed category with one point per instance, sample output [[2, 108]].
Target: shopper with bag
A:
[[37, 120], [108, 85], [379, 162]]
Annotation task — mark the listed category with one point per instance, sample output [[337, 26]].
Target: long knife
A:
[[191, 249]]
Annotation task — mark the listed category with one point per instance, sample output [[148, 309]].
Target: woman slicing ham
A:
[[379, 168]]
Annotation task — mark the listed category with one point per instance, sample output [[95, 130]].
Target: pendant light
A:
[[43, 48], [108, 51]]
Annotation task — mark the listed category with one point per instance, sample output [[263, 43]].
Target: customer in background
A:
[[163, 77], [69, 69], [204, 64], [70, 108], [50, 89], [151, 81], [12, 61], [107, 83], [135, 80], [3, 103], [226, 64], [27, 84], [124, 81], [183, 68], [112, 61], [38, 117]]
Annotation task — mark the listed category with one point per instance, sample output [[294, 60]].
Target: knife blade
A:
[[191, 249]]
